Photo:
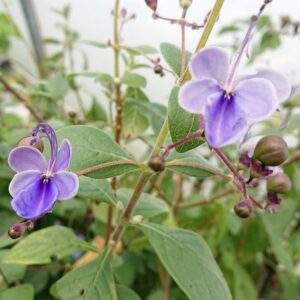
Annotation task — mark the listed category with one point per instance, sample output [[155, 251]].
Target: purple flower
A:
[[38, 184], [230, 105]]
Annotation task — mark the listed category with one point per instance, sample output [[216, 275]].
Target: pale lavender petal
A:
[[67, 184], [226, 122], [64, 156], [193, 95], [37, 200], [26, 158], [210, 63], [257, 96], [280, 82], [22, 180], [249, 145]]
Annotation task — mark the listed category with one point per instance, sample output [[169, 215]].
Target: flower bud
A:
[[156, 163], [29, 225], [243, 209], [185, 3], [158, 69], [280, 183], [271, 150], [152, 4], [136, 219], [16, 230], [31, 141]]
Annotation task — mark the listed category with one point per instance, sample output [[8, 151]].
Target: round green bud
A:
[[31, 141], [243, 209], [156, 163], [271, 150], [280, 183], [185, 3], [158, 69]]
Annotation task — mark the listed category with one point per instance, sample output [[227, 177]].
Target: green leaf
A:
[[91, 146], [96, 189], [135, 122], [41, 246], [125, 293], [181, 123], [189, 261], [97, 112], [24, 292], [89, 282], [191, 164], [134, 80], [229, 29], [57, 86], [11, 272], [104, 78], [96, 44], [148, 205], [172, 55]]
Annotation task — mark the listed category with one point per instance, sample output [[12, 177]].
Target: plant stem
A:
[[293, 159], [183, 54], [206, 201], [21, 98]]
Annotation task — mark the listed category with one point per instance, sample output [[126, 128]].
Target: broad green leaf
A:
[[96, 189], [189, 261], [172, 55], [134, 80], [148, 205], [89, 282], [104, 78], [136, 94], [125, 293], [42, 246], [21, 292], [97, 112], [91, 146], [181, 123], [135, 122], [191, 164], [57, 86], [11, 272]]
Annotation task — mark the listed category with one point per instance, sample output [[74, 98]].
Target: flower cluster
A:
[[38, 183]]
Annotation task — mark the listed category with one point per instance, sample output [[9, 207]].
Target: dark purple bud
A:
[[16, 230], [158, 69], [185, 3], [156, 163], [280, 183], [31, 141], [243, 208], [152, 4], [271, 150], [245, 161], [273, 198]]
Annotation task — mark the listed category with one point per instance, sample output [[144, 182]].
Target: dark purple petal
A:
[[64, 156], [210, 63], [193, 95], [280, 82], [226, 122], [67, 184], [257, 96], [26, 158], [37, 200], [22, 180]]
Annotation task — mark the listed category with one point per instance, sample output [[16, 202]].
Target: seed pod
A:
[[156, 163], [152, 4], [31, 141], [185, 3], [271, 150], [243, 209], [280, 183]]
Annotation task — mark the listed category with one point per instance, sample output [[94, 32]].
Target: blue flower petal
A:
[[37, 200], [225, 122]]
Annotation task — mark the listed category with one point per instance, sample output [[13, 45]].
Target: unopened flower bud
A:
[[243, 208], [273, 199], [158, 69], [29, 225], [16, 230], [31, 141], [152, 4], [271, 150], [280, 183], [136, 219], [156, 163], [185, 3]]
